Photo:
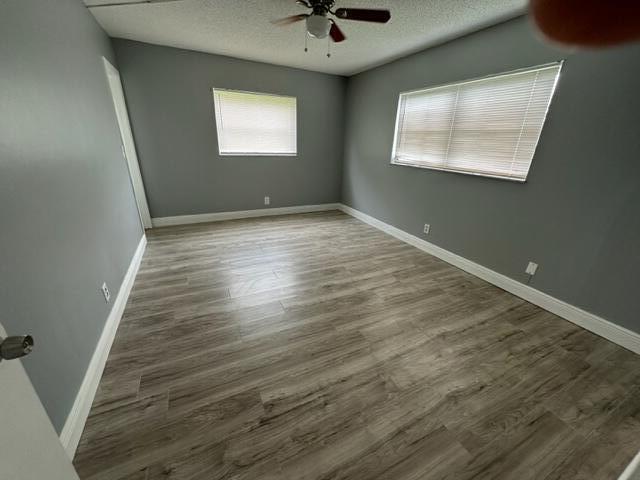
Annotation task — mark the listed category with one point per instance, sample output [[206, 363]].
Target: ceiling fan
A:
[[319, 25]]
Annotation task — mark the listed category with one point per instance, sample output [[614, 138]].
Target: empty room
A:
[[319, 239]]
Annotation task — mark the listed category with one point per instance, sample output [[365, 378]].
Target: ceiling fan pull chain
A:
[[328, 47], [306, 38]]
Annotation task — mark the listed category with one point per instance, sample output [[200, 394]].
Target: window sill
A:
[[250, 154], [453, 170]]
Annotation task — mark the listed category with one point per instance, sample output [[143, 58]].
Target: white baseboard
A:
[[73, 427], [632, 472], [261, 212], [619, 335]]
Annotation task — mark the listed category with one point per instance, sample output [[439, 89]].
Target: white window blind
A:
[[255, 123], [487, 127]]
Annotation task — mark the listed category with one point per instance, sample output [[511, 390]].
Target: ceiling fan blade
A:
[[289, 20], [124, 3], [364, 14], [336, 34]]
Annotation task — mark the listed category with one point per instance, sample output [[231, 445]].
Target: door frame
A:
[[126, 141]]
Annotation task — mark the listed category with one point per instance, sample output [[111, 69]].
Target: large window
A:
[[487, 127], [255, 123]]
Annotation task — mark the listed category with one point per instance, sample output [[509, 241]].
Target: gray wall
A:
[[170, 102], [67, 211], [578, 215]]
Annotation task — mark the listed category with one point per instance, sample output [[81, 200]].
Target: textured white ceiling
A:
[[242, 29]]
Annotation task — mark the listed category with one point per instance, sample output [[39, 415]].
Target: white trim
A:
[[262, 212], [256, 154], [74, 425], [619, 335], [128, 144], [632, 469]]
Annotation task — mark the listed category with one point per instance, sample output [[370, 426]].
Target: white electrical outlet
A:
[[531, 268], [105, 292], [427, 228], [267, 200]]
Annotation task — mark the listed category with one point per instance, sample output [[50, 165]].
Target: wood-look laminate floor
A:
[[316, 347]]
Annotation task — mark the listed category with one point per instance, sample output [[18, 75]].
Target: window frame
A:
[[253, 154], [394, 161]]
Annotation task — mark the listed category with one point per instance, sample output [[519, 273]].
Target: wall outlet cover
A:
[[267, 200], [105, 292], [531, 268], [427, 228]]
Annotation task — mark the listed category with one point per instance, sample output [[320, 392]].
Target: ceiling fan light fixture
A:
[[318, 26]]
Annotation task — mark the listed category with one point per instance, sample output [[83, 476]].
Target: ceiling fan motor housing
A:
[[318, 26]]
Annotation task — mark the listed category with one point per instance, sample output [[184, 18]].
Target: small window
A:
[[488, 127], [255, 123]]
